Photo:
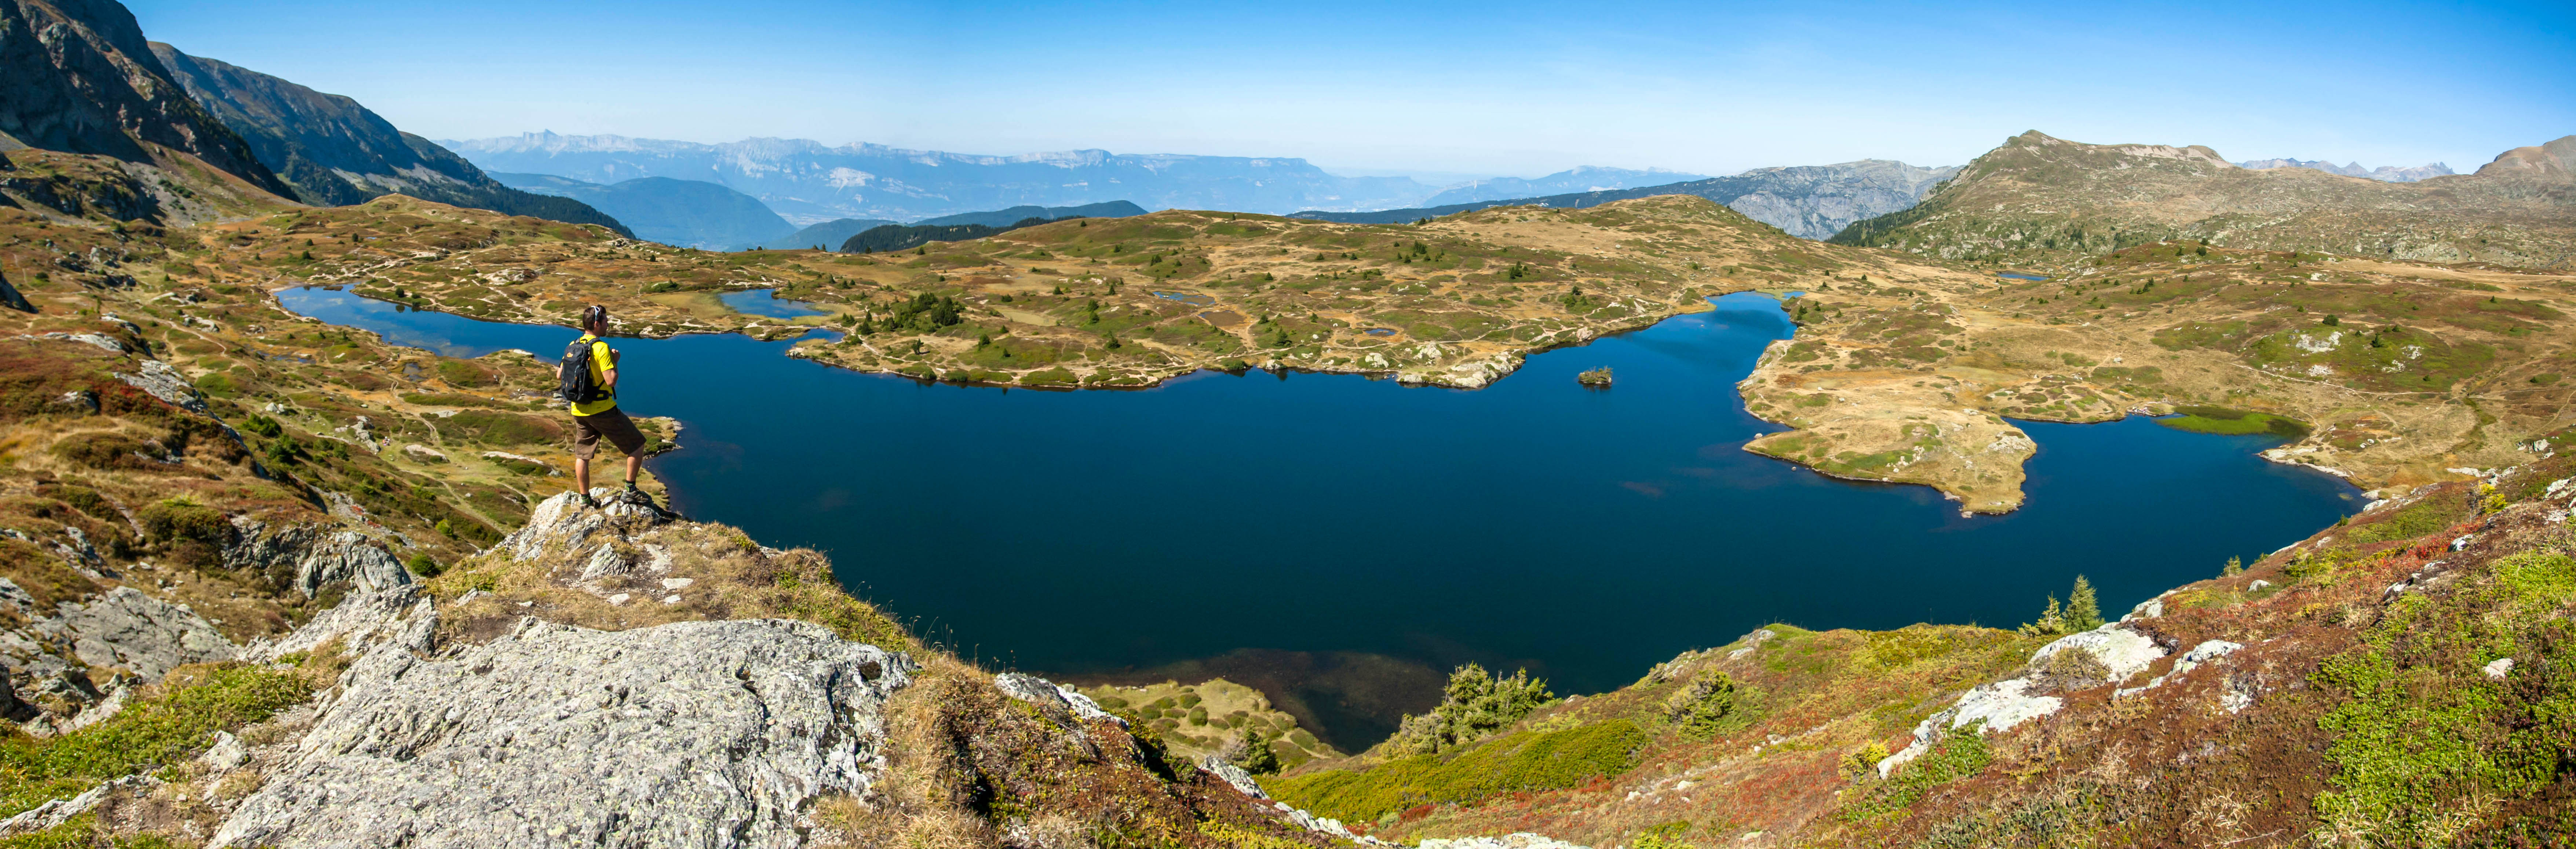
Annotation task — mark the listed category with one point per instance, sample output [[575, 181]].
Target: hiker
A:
[[588, 375]]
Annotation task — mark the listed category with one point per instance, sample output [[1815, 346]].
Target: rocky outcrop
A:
[[9, 297], [56, 656], [128, 630], [1044, 693], [163, 382], [1517, 840], [715, 734], [2111, 653], [307, 557]]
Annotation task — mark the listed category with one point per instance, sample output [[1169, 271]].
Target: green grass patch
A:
[[164, 729], [2432, 514], [2424, 738], [2220, 420], [1960, 755], [1521, 762]]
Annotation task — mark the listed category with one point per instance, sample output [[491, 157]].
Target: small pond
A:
[[767, 304]]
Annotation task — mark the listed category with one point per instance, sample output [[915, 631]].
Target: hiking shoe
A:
[[586, 501]]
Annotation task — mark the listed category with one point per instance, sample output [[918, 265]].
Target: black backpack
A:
[[572, 377]]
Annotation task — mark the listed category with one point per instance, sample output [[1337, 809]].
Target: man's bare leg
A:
[[581, 475], [634, 471]]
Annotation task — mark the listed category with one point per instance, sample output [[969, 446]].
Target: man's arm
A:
[[608, 375]]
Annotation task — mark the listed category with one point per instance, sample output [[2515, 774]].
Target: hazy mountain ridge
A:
[[2047, 200], [685, 213], [824, 235], [809, 182], [2384, 173], [1587, 178], [332, 151], [1808, 201], [1016, 214]]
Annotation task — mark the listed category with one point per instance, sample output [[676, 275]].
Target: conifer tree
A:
[[2083, 613]]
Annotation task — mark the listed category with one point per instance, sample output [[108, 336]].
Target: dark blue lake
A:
[[1342, 542]]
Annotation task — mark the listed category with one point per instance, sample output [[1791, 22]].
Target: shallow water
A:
[[1290, 526], [767, 304]]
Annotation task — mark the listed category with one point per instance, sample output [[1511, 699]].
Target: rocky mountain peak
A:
[[77, 76], [2555, 160]]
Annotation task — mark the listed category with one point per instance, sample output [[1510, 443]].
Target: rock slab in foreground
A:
[[697, 734]]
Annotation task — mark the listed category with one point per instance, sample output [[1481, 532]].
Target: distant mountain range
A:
[[2386, 173], [1587, 178], [824, 235], [2045, 200], [808, 182], [687, 213], [1017, 214], [331, 151], [1809, 201]]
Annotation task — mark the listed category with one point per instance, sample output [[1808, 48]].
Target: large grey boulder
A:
[[138, 633], [696, 734], [308, 556]]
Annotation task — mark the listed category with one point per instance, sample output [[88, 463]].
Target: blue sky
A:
[[1484, 88]]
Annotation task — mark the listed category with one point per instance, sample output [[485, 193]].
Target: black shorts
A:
[[611, 423]]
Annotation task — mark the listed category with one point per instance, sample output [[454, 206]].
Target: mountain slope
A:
[[1811, 201], [77, 79], [687, 213], [809, 182], [332, 151], [2039, 199], [820, 236], [1587, 178]]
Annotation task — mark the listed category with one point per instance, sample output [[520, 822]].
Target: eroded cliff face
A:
[[77, 77]]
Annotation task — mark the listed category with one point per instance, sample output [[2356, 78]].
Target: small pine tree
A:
[[2051, 622], [1256, 756], [2235, 566], [2083, 613]]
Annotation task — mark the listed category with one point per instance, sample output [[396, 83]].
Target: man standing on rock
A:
[[589, 382]]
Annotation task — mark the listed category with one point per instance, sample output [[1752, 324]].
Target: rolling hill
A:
[[2048, 201]]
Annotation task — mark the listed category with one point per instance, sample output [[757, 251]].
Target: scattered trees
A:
[[2082, 613], [1476, 703]]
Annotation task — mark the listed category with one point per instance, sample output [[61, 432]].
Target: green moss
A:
[[82, 832], [2430, 515], [2424, 736], [1513, 763], [1960, 755], [164, 729]]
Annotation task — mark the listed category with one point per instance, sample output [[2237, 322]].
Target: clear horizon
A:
[[1518, 90]]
